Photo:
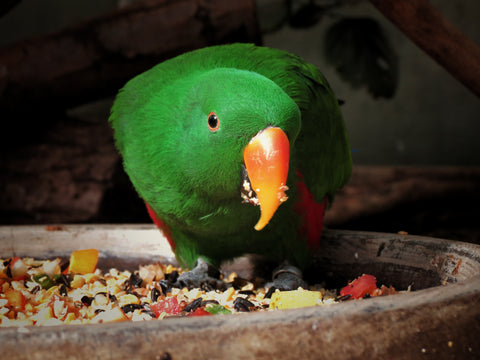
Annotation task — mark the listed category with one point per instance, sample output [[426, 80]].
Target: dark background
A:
[[416, 153]]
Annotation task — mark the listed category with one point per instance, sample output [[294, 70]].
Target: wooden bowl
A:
[[439, 320]]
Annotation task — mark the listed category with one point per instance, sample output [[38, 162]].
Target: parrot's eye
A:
[[213, 122]]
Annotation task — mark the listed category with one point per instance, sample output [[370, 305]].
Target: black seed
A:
[[64, 266], [270, 292], [63, 290], [165, 285], [98, 311], [194, 305], [112, 297], [154, 294], [63, 279], [131, 308], [135, 280], [242, 305], [86, 300], [239, 283], [9, 271]]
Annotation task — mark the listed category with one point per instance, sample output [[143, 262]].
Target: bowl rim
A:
[[426, 301]]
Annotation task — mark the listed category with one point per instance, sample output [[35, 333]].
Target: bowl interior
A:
[[399, 260]]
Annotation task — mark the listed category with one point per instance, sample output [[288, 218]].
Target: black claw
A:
[[203, 276], [288, 277]]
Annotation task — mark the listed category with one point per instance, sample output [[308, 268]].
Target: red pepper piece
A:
[[169, 306], [200, 312], [361, 286]]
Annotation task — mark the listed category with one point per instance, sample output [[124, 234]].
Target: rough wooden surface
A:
[[93, 59], [435, 323]]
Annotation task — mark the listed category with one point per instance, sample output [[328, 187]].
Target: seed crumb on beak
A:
[[281, 193], [248, 195]]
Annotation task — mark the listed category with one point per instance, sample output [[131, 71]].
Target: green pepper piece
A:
[[44, 280], [217, 309]]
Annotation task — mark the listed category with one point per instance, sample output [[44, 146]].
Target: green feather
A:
[[191, 177]]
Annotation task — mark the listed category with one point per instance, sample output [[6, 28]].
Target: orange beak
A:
[[266, 159]]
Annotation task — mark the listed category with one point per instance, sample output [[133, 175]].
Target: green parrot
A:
[[235, 149]]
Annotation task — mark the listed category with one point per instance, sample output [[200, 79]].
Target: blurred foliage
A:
[[361, 54], [357, 48]]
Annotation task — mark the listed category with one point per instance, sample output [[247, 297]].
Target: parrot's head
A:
[[223, 135], [242, 125]]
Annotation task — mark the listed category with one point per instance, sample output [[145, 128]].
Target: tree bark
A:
[[435, 35], [95, 58]]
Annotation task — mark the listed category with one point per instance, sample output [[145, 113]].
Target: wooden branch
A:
[[435, 35], [95, 58], [373, 190]]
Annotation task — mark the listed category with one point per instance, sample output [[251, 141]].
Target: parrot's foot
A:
[[288, 277], [203, 275]]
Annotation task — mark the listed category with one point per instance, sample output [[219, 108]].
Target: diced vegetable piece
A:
[[18, 268], [44, 280], [361, 286], [200, 312], [112, 315], [77, 282], [51, 268], [16, 300], [83, 261], [169, 306], [294, 299], [216, 309]]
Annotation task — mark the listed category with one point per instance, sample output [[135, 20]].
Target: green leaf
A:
[[362, 55]]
